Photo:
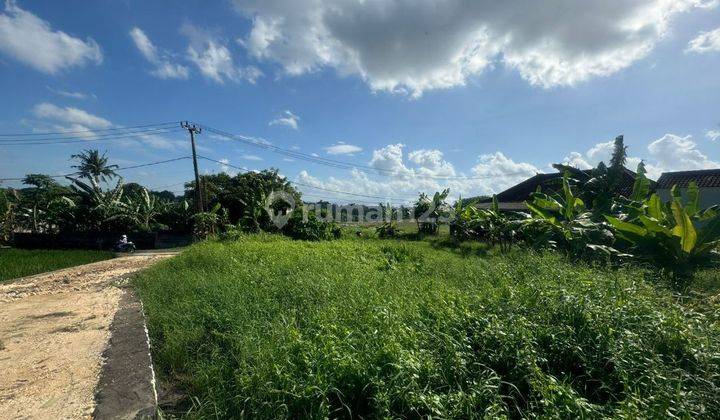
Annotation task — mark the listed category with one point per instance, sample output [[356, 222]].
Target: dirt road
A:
[[54, 328]]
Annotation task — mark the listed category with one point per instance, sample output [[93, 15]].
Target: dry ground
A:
[[53, 330]]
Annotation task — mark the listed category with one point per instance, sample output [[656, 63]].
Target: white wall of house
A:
[[708, 196]]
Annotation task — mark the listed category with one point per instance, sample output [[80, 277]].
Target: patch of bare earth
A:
[[54, 328]]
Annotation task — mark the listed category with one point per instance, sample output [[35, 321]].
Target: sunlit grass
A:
[[16, 263], [268, 327]]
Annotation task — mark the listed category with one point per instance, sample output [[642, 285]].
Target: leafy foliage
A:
[[430, 212], [311, 229], [484, 224], [94, 166], [564, 222], [676, 234]]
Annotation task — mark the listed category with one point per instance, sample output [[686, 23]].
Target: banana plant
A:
[[485, 224], [9, 200], [140, 210], [677, 233], [208, 223], [98, 205], [562, 221], [430, 212], [388, 228]]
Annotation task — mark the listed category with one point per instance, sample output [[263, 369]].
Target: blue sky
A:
[[483, 93]]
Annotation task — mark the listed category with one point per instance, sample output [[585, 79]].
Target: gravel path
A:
[[54, 328]]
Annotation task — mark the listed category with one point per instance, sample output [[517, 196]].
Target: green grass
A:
[[268, 327], [16, 263]]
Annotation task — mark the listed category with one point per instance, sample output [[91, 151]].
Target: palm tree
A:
[[94, 166]]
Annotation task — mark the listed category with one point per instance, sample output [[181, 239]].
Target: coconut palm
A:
[[93, 165]]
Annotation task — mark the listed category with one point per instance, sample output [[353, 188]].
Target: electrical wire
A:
[[336, 163], [88, 131], [397, 199], [142, 165], [70, 140]]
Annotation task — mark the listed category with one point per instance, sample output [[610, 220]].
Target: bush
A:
[[387, 230], [311, 229]]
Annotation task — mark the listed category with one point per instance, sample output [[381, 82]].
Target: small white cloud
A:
[[70, 115], [214, 59], [164, 68], [705, 42], [712, 134], [32, 41], [341, 148], [251, 157], [576, 160], [287, 119], [70, 94]]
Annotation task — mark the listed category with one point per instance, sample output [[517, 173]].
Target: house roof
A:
[[550, 183], [502, 205], [706, 178]]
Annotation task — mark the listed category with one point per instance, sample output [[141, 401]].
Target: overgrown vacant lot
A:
[[16, 263], [269, 327]]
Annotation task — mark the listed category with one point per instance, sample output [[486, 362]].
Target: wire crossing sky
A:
[[360, 100]]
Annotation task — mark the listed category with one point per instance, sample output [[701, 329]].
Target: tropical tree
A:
[[140, 209], [388, 228], [34, 209], [244, 196], [677, 234], [429, 212], [93, 165], [96, 207], [9, 200], [562, 221], [485, 224]]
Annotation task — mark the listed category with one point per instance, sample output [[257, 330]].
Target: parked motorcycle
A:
[[128, 247]]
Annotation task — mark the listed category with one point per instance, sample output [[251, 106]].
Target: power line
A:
[[339, 164], [118, 169], [311, 186], [75, 139], [86, 131]]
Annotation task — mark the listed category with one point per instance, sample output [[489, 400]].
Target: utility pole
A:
[[194, 129]]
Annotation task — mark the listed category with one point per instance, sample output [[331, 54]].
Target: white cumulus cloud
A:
[[164, 68], [401, 176], [413, 46], [32, 41], [342, 148], [69, 115], [668, 153], [705, 42], [287, 119], [214, 59], [712, 134], [80, 123]]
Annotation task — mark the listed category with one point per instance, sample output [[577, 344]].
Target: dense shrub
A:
[[311, 229], [268, 328]]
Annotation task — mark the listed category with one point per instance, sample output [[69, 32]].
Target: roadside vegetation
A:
[[267, 327], [588, 304], [16, 263]]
